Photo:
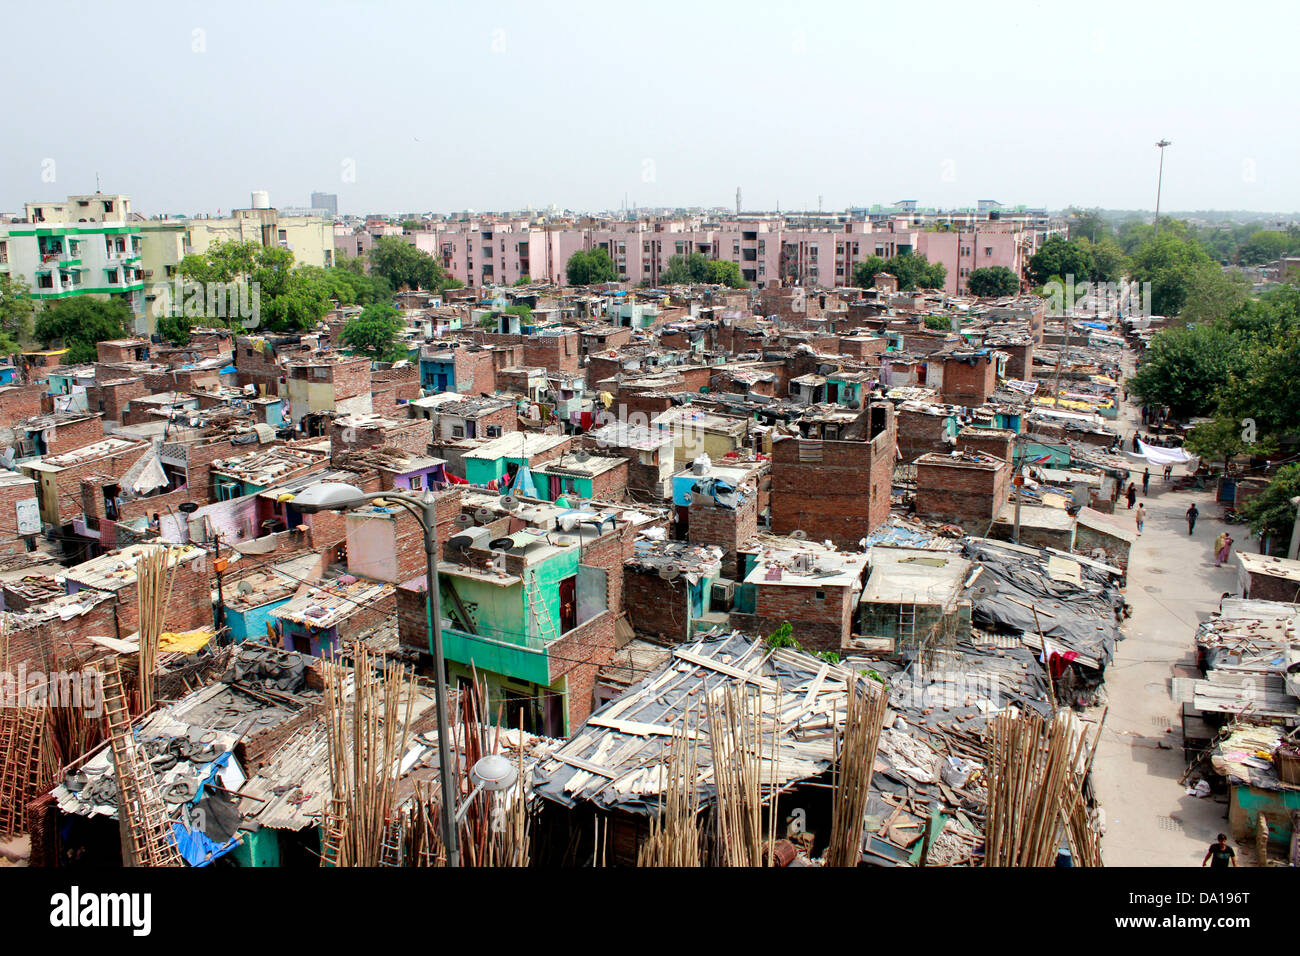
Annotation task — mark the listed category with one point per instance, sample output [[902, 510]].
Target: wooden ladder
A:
[[332, 840], [21, 738], [390, 851], [906, 622], [537, 607], [148, 838]]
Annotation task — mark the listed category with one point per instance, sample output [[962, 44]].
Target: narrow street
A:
[[1172, 585]]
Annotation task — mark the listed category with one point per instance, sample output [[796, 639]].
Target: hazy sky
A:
[[401, 106]]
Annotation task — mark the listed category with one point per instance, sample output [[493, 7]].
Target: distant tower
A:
[[737, 200]]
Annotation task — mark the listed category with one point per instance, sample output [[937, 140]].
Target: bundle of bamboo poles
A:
[[153, 582], [864, 719], [675, 831], [737, 743], [1036, 771], [368, 706]]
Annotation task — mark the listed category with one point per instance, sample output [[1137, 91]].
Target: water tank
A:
[[261, 199]]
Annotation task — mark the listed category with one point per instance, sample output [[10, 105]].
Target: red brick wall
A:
[[920, 434], [256, 367], [842, 497], [351, 378], [68, 481], [412, 435], [182, 380], [992, 441], [962, 492], [1020, 363], [79, 433], [578, 657], [43, 644], [820, 624], [656, 607], [111, 398], [861, 348], [10, 495], [611, 485], [20, 401], [728, 528], [388, 385], [968, 384], [1264, 587], [475, 372]]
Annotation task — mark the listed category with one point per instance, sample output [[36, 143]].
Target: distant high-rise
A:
[[327, 201]]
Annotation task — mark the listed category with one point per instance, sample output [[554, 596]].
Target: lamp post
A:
[[337, 496], [1160, 181], [1294, 551]]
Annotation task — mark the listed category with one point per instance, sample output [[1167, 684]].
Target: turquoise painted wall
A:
[[252, 623], [260, 848]]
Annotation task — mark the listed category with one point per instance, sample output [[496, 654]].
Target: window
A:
[[457, 431], [494, 431], [821, 595], [988, 252], [417, 482]]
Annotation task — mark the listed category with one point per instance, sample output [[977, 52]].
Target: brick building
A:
[[965, 489], [190, 603], [970, 377], [997, 442], [836, 490]]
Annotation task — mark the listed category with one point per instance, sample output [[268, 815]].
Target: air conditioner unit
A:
[[722, 595]]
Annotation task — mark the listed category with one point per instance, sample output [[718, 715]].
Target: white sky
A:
[[503, 105]]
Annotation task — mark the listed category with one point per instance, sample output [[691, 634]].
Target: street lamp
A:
[[1160, 180], [1294, 550], [338, 496]]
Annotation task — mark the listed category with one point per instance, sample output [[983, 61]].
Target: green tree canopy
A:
[[406, 267], [1187, 368], [992, 281], [175, 328], [686, 270], [16, 310], [915, 271], [590, 266], [725, 272], [375, 332], [1270, 513], [865, 272], [1173, 264], [1059, 257], [79, 323]]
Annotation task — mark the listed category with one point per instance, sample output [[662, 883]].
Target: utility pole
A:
[[1160, 181], [1016, 482]]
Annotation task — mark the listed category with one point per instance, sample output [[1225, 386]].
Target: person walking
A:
[[1141, 516], [1132, 494], [1169, 472], [1135, 441], [1224, 549], [1222, 854], [1146, 482], [1192, 514]]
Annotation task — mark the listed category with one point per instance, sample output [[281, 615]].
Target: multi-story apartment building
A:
[[167, 241], [84, 245], [808, 250]]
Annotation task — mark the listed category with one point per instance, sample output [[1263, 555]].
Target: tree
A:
[[1061, 257], [724, 272], [915, 271], [375, 332], [1223, 439], [1187, 368], [1108, 261], [406, 267], [865, 272], [1270, 513], [1087, 224], [689, 269], [1264, 246], [175, 328], [523, 280], [591, 266], [1211, 294], [78, 324], [16, 310], [992, 281], [1172, 263]]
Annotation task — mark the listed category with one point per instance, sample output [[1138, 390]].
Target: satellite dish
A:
[[463, 521], [582, 455], [799, 534], [460, 542], [669, 571], [187, 507], [484, 515], [501, 544], [509, 502]]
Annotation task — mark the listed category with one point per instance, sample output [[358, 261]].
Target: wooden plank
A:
[[584, 765], [727, 669]]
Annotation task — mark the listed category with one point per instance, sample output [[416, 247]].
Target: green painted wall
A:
[[261, 848]]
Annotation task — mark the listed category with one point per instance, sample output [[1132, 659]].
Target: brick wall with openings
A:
[[77, 433], [392, 388], [578, 657], [412, 435], [836, 490], [728, 528], [822, 618]]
